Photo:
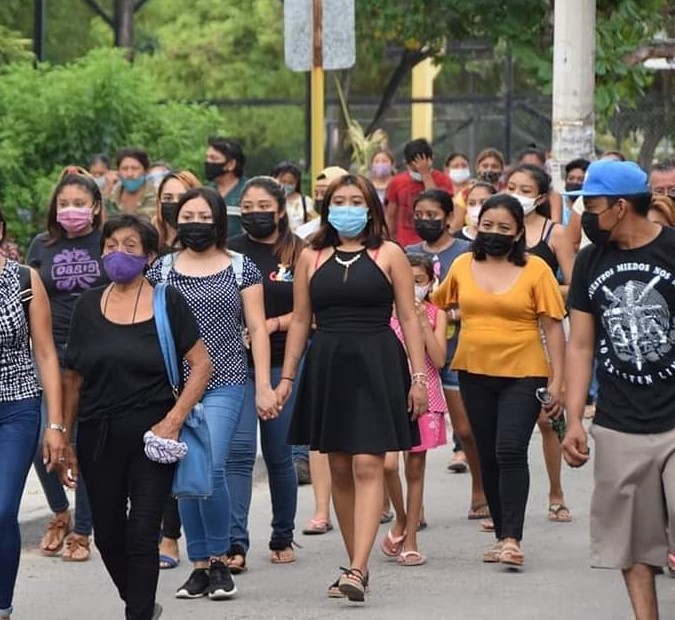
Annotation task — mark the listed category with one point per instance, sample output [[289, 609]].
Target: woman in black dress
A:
[[356, 399]]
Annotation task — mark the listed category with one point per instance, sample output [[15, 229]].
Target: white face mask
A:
[[473, 213], [459, 175], [421, 291], [416, 176], [528, 204]]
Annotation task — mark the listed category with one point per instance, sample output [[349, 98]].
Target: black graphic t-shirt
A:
[[67, 269], [631, 294], [277, 286]]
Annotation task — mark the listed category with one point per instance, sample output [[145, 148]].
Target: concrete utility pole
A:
[[573, 84]]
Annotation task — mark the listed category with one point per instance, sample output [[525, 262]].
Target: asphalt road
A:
[[556, 583]]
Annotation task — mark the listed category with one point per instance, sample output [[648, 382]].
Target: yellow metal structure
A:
[[422, 114]]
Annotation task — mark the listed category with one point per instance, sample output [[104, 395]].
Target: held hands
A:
[[53, 449], [68, 468], [267, 403], [283, 391], [575, 445]]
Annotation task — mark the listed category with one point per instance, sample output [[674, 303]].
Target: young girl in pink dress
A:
[[401, 540]]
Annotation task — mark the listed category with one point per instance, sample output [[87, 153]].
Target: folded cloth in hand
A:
[[163, 450]]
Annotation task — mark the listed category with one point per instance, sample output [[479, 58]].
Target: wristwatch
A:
[[57, 427]]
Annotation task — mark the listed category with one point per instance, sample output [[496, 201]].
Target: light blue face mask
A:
[[288, 189], [416, 176], [133, 185], [348, 220]]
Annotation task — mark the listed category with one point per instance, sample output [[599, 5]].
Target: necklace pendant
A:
[[345, 275]]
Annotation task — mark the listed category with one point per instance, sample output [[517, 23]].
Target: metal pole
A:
[[39, 24], [573, 84], [508, 106], [318, 90], [308, 124]]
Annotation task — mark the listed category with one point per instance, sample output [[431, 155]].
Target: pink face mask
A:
[[75, 219]]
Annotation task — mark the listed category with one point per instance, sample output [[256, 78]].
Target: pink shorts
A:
[[432, 431]]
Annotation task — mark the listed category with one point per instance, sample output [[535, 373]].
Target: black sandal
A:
[[352, 584]]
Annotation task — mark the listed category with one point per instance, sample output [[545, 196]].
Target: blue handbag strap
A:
[[166, 341]]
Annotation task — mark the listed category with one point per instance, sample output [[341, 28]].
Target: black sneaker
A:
[[221, 586], [196, 586], [302, 471]]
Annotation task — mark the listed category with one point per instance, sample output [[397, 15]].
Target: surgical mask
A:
[[459, 176], [430, 230], [348, 220], [573, 187], [122, 267], [590, 222], [169, 212], [157, 177], [528, 204], [212, 170], [473, 213], [494, 244], [380, 170], [421, 291], [75, 219], [197, 236], [490, 176], [289, 188], [260, 224], [100, 181], [133, 185], [416, 176]]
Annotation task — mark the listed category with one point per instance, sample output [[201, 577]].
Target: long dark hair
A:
[[542, 180], [376, 231], [287, 247], [72, 175], [513, 206]]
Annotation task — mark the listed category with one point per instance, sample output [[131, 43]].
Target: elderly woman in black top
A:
[[117, 385]]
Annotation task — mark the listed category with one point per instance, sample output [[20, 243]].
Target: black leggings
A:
[[503, 412], [128, 493], [171, 521]]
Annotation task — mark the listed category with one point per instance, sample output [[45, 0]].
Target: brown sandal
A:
[[511, 555], [283, 556], [54, 538], [77, 549], [352, 584]]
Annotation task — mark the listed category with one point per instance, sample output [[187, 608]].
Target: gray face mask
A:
[[415, 176]]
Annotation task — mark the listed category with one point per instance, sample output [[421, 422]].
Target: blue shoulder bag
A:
[[194, 475]]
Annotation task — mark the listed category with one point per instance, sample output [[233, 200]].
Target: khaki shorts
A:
[[633, 498]]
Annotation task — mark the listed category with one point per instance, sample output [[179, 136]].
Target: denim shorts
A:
[[449, 378]]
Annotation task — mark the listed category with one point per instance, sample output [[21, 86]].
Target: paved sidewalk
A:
[[556, 584]]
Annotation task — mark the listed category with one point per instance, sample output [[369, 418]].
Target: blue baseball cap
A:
[[607, 177]]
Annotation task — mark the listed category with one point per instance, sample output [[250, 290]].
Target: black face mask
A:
[[169, 213], [490, 176], [493, 244], [213, 170], [590, 222], [318, 205], [259, 225], [573, 187], [197, 236], [430, 230]]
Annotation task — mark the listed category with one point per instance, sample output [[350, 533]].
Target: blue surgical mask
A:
[[416, 176], [348, 220], [133, 185], [288, 189]]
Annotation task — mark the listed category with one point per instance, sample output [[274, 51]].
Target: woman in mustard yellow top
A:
[[503, 297]]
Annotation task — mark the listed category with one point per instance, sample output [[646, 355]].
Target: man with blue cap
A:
[[622, 305]]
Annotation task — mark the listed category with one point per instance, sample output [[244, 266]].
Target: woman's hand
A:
[[283, 391], [53, 449], [167, 428], [418, 400], [422, 315], [267, 403], [68, 468], [556, 407]]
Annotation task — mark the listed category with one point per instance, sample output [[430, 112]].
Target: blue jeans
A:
[[278, 457], [207, 521], [301, 453], [19, 428]]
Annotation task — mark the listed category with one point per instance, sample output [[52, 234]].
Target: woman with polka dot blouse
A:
[[221, 291]]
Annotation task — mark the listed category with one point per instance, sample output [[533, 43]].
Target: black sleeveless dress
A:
[[352, 395]]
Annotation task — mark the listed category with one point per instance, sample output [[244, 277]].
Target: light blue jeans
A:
[[277, 453], [19, 428], [207, 521]]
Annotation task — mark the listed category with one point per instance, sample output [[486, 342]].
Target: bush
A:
[[56, 116]]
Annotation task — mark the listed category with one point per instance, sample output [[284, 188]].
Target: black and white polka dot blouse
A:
[[216, 303]]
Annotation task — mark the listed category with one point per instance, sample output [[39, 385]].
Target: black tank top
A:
[[543, 249]]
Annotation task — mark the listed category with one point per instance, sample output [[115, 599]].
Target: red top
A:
[[402, 191]]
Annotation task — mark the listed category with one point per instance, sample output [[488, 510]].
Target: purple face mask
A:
[[122, 267]]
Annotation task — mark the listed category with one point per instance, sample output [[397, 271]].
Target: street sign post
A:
[[319, 35]]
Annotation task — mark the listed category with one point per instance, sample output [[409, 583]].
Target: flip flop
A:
[[417, 558], [167, 562], [479, 511], [556, 513], [386, 517], [487, 526], [391, 545], [512, 555], [315, 527]]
